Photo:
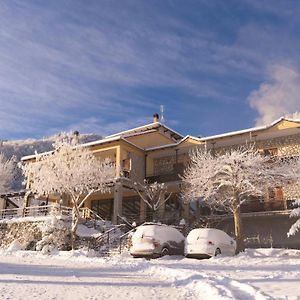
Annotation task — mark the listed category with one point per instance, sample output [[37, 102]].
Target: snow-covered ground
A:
[[255, 274]]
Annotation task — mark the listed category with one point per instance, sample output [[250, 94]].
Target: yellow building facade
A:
[[156, 152]]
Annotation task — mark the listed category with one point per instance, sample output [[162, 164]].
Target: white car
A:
[[208, 242], [155, 240]]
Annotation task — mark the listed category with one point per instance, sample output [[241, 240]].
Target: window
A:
[[126, 167]]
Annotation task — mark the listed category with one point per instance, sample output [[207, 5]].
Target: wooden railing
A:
[[35, 211], [44, 210], [88, 213], [11, 213]]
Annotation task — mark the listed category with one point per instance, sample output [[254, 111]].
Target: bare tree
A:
[[153, 194], [69, 169], [7, 173], [227, 181]]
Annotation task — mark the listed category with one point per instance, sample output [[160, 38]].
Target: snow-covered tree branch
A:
[[227, 181], [293, 167], [153, 194], [70, 169], [7, 173]]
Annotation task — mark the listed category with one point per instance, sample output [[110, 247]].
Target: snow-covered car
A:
[[155, 240], [208, 242]]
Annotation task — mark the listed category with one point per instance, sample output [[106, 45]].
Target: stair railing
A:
[[124, 220], [106, 236]]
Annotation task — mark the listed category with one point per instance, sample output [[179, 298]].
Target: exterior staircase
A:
[[115, 240]]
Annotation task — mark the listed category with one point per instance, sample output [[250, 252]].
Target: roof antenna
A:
[[162, 117]]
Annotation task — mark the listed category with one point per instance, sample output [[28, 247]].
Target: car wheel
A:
[[218, 252], [165, 251]]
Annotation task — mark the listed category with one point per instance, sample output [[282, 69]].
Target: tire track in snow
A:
[[243, 291], [201, 286]]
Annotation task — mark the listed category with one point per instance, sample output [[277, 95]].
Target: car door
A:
[[226, 243], [230, 244], [176, 241]]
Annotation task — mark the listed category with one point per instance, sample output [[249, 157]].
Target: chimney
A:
[[155, 118], [75, 139]]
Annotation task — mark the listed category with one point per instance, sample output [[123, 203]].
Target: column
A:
[[118, 198], [118, 161], [2, 203]]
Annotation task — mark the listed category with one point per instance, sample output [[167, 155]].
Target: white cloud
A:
[[277, 97], [65, 64]]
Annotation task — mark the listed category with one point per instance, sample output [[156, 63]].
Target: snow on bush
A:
[[54, 235], [15, 246]]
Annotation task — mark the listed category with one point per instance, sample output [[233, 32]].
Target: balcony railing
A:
[[256, 206], [45, 210], [174, 175], [163, 178]]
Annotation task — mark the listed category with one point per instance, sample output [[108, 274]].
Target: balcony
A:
[[174, 175]]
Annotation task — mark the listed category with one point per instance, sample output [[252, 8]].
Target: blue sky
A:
[[105, 66]]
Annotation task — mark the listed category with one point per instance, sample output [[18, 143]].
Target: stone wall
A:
[[287, 146], [292, 191], [30, 234], [26, 233]]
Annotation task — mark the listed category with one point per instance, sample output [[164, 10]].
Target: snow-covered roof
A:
[[139, 133], [145, 129], [108, 140], [28, 157], [174, 144], [89, 144], [149, 128], [253, 129], [102, 141]]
